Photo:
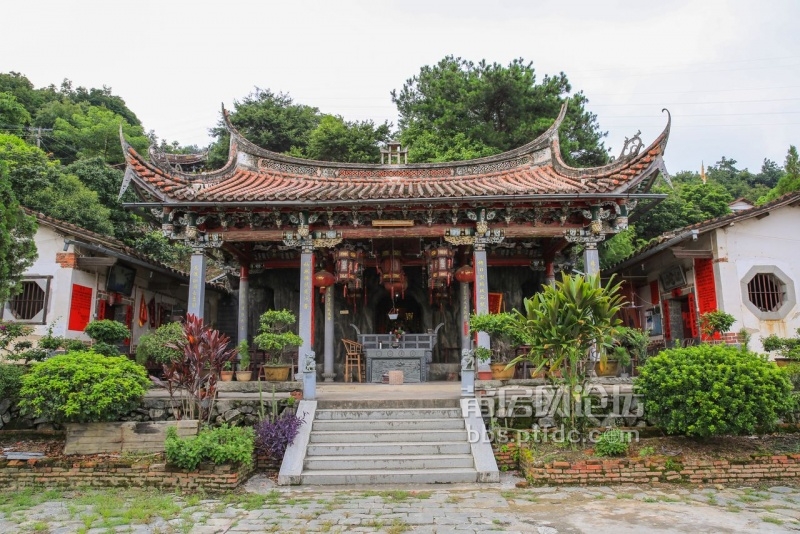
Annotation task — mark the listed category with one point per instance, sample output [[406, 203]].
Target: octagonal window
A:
[[767, 292]]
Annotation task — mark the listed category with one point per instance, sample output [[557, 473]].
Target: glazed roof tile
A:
[[253, 174]]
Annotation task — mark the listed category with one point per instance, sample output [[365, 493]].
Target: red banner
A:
[[80, 308]]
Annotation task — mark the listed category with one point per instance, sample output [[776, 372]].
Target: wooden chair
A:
[[353, 360]]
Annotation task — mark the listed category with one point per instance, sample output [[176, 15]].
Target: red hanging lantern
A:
[[349, 269], [393, 277], [323, 279], [465, 274]]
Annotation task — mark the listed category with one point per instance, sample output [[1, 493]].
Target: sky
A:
[[728, 71]]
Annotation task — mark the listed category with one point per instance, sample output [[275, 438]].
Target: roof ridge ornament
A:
[[632, 146]]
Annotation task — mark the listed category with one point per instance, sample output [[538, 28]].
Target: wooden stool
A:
[[353, 360]]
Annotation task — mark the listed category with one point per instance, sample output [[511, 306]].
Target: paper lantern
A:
[[465, 274], [323, 279], [440, 266]]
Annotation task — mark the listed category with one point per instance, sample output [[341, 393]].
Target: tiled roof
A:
[[110, 243], [704, 226], [254, 174]]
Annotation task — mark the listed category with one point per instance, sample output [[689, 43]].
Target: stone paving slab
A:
[[432, 509]]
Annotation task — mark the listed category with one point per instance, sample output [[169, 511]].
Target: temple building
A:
[[370, 249]]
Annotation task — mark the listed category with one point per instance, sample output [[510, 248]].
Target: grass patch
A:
[[624, 496], [773, 520]]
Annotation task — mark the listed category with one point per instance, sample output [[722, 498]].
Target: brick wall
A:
[[506, 455], [662, 469], [49, 472], [66, 259]]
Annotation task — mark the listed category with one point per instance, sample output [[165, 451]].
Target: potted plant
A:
[[243, 372], [483, 354], [715, 323], [787, 348], [157, 348], [226, 374], [398, 335], [275, 339], [626, 346], [106, 335], [506, 336]]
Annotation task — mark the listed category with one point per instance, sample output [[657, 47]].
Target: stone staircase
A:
[[412, 441]]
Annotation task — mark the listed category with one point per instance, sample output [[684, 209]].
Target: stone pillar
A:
[[306, 300], [591, 259], [244, 303], [467, 373], [482, 297], [328, 373], [464, 307], [197, 283]]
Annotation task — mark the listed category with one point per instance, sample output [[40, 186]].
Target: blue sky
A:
[[728, 71]]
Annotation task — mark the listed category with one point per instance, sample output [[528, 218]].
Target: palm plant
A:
[[564, 323]]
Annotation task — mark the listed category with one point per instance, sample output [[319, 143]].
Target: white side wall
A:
[[772, 240]]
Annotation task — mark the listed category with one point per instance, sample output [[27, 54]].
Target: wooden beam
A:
[[515, 231], [688, 253]]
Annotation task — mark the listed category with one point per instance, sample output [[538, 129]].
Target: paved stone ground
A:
[[436, 509]]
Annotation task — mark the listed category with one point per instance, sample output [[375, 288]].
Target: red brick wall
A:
[[661, 469], [66, 259], [17, 474]]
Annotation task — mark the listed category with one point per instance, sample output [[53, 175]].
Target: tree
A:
[[13, 115], [272, 121], [29, 168], [619, 247], [487, 108], [790, 181], [94, 132], [22, 89], [69, 200], [335, 139], [17, 248]]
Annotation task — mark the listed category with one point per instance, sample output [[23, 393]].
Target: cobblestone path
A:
[[439, 509]]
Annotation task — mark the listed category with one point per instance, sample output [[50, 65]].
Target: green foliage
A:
[[272, 121], [17, 248], [107, 334], [83, 387], [709, 390], [562, 324], [789, 181], [274, 336], [483, 354], [68, 199], [29, 169], [504, 330], [786, 347], [244, 355], [94, 132], [633, 341], [155, 245], [716, 321], [221, 445], [10, 380], [12, 113], [335, 139], [612, 442], [160, 346], [10, 332], [618, 248], [457, 109]]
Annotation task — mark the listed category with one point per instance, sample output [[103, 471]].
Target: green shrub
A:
[[10, 380], [159, 346], [221, 445], [107, 334], [83, 387], [612, 442], [710, 390]]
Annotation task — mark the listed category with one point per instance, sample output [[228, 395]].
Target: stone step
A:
[[388, 424], [373, 404], [390, 476], [406, 461], [394, 436], [385, 448], [388, 413]]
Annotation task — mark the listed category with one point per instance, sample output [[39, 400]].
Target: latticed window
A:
[[29, 302], [766, 292]]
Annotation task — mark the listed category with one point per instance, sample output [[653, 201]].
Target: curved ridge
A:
[[658, 145]]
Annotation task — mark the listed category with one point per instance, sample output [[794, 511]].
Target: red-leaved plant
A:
[[192, 378]]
